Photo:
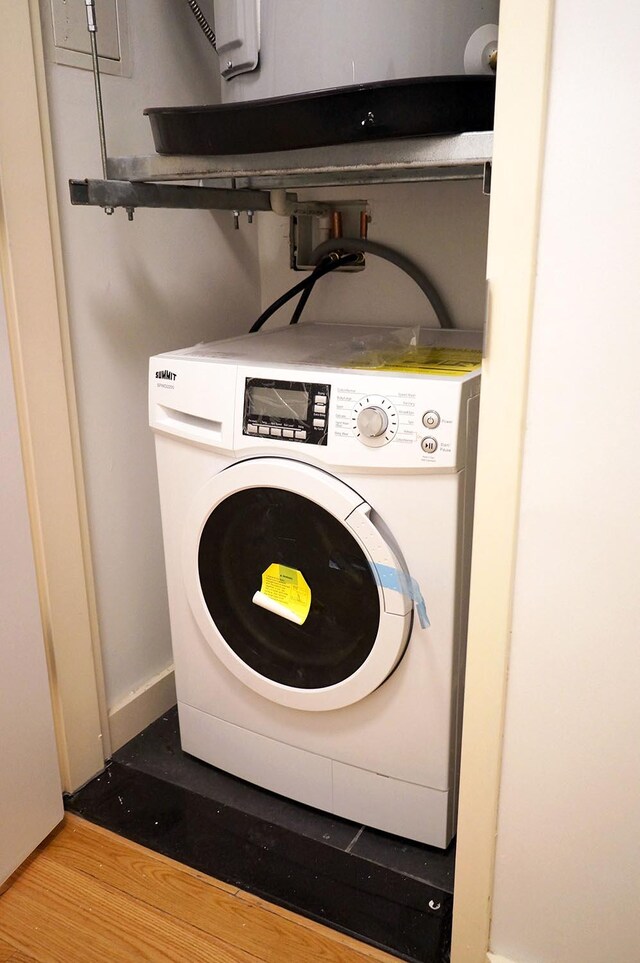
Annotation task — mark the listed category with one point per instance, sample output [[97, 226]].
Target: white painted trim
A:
[[141, 707], [520, 125], [65, 345], [493, 958], [37, 324]]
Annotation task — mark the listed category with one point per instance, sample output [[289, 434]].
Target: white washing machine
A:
[[316, 505]]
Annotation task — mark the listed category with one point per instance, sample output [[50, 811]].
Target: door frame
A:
[[41, 357], [37, 321], [516, 188]]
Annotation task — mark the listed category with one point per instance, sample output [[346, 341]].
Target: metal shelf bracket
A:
[[111, 194], [130, 195]]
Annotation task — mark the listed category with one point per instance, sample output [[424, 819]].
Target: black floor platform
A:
[[387, 891]]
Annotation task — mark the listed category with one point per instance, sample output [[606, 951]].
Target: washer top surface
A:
[[380, 348]]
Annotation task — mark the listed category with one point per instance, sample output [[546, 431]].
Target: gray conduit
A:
[[203, 22], [355, 245]]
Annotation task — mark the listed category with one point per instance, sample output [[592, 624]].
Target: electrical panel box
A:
[[67, 37]]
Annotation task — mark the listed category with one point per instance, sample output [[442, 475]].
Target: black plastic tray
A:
[[398, 108]]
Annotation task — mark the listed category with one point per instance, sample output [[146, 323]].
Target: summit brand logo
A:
[[166, 375]]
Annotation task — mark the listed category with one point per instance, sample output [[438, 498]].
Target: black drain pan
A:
[[341, 115]]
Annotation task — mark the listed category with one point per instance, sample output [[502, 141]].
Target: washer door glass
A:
[[251, 530], [283, 569]]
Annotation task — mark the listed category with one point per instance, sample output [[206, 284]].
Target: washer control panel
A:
[[431, 419], [286, 410], [356, 418], [430, 445], [413, 422], [374, 420]]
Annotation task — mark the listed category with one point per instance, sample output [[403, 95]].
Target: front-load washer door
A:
[[268, 518]]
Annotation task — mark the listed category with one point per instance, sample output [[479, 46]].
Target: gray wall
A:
[[442, 227], [167, 280]]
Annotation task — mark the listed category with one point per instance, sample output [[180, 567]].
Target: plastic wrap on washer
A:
[[370, 347]]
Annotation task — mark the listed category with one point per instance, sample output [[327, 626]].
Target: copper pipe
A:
[[336, 224], [364, 225]]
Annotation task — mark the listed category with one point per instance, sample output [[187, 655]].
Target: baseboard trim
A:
[[141, 707], [494, 958]]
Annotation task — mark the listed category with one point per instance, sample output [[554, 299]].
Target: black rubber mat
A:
[[366, 112]]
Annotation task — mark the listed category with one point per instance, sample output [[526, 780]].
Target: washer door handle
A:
[[381, 554]]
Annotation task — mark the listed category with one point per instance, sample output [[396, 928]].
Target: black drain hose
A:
[[356, 245]]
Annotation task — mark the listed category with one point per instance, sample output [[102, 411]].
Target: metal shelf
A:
[[242, 182], [434, 158]]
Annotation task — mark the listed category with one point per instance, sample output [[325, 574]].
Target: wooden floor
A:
[[88, 895]]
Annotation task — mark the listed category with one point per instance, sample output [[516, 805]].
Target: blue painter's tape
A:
[[398, 581]]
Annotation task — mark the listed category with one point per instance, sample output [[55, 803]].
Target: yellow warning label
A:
[[424, 360], [288, 590]]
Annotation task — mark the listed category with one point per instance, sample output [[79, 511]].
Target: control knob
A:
[[372, 422]]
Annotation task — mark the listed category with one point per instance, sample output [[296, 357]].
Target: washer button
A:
[[264, 430], [276, 432], [431, 419], [321, 399], [429, 445], [301, 435], [252, 429], [287, 432], [318, 422]]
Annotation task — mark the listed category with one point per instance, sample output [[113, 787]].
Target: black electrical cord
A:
[[362, 246], [315, 276], [304, 297], [328, 264]]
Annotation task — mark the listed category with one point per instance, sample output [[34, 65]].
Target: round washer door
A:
[[267, 511]]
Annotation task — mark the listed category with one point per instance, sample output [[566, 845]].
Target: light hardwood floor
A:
[[87, 895]]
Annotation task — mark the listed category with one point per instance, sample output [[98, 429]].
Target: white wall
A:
[[568, 856], [441, 226], [167, 280], [31, 798]]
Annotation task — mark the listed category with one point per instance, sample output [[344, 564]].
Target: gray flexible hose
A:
[[354, 245], [203, 22]]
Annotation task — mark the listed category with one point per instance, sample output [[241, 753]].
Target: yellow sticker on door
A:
[[284, 592]]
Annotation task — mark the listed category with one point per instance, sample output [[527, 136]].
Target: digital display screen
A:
[[278, 403]]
